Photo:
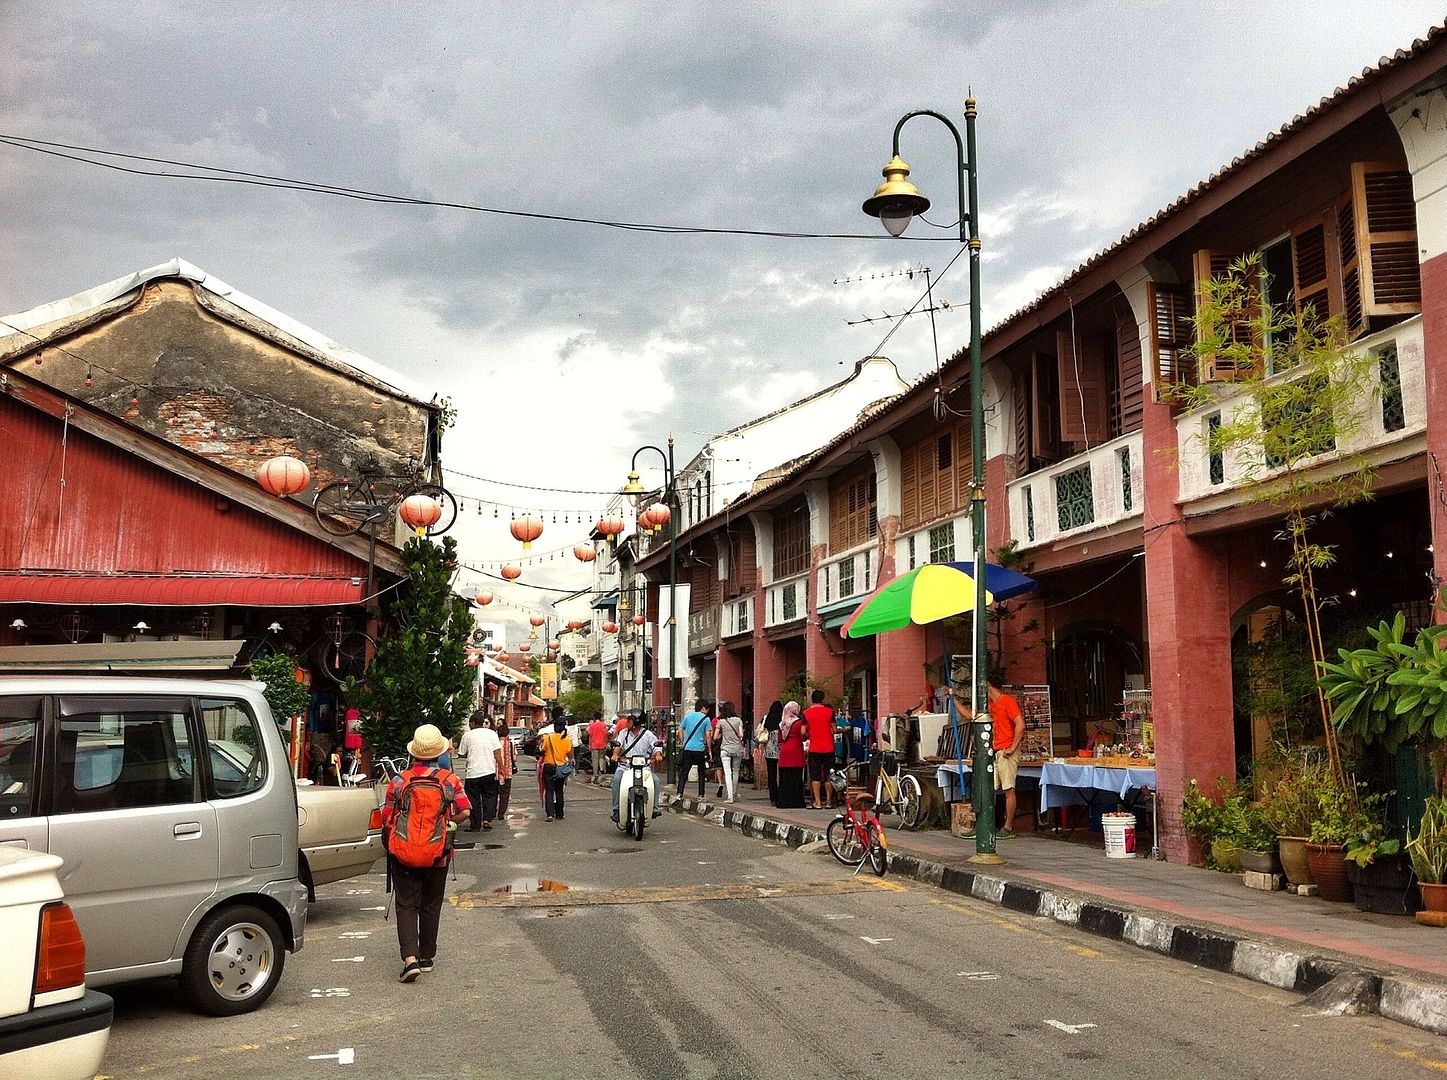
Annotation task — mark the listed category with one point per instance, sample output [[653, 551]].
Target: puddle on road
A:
[[532, 885]]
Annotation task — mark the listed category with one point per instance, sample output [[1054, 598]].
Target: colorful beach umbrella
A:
[[930, 593]]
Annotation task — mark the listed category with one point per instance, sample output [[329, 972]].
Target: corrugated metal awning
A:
[[147, 656], [179, 590]]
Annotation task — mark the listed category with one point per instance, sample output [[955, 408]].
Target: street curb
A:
[[1392, 996]]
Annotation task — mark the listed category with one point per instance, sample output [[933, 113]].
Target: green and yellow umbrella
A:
[[930, 593]]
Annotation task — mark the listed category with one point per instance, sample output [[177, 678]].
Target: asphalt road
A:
[[700, 953]]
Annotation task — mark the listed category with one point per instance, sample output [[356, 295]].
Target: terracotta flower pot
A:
[[1293, 859], [1434, 897], [1329, 869]]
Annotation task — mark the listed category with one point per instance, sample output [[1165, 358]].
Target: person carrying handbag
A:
[[557, 759], [728, 736]]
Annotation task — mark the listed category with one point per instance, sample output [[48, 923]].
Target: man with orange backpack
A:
[[419, 821]]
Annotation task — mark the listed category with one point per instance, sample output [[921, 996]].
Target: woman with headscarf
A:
[[791, 758], [769, 751]]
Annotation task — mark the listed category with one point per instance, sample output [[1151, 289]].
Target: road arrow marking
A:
[[345, 1056], [348, 959], [1069, 1029], [875, 941], [358, 892], [832, 917], [979, 976], [330, 992], [372, 909], [354, 934]]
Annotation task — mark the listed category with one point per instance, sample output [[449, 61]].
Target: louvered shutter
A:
[[1386, 239], [1083, 399], [909, 488], [1210, 265], [1308, 268], [838, 518], [1171, 335], [1021, 389], [964, 462], [924, 453], [1042, 407]]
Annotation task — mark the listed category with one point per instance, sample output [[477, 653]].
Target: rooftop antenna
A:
[[910, 272]]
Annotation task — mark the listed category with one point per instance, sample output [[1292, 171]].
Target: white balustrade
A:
[[1093, 490], [787, 600]]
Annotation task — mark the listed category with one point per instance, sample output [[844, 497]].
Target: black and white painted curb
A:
[[1393, 996]]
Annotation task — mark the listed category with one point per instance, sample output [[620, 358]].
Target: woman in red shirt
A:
[[791, 758]]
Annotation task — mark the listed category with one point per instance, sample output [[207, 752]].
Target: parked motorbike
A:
[[635, 797]]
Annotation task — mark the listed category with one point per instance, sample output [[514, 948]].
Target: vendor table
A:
[[1079, 785], [947, 778]]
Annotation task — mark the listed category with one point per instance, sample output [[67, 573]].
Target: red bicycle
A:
[[856, 835]]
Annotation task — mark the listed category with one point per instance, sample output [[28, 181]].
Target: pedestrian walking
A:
[[507, 765], [696, 728], [822, 732], [480, 753], [420, 815], [772, 719], [557, 761], [728, 737], [791, 758], [597, 746]]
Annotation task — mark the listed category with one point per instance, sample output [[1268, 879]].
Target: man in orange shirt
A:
[[1008, 737], [822, 728]]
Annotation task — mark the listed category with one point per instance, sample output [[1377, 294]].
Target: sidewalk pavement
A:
[[1207, 917]]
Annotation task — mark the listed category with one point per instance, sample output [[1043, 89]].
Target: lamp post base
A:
[[988, 859]]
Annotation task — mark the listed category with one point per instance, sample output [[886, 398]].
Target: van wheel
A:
[[234, 961]]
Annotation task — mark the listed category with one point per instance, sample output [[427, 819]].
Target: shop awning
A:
[[147, 656], [836, 615], [179, 590], [608, 600]]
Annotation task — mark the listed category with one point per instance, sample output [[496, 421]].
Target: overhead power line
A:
[[218, 175]]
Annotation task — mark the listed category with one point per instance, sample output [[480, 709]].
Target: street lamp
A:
[[895, 202], [670, 497]]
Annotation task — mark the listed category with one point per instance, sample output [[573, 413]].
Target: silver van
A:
[[172, 805]]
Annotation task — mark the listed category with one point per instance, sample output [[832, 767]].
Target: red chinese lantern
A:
[[420, 512], [575, 625], [525, 648], [609, 527], [610, 628], [527, 529], [555, 645], [639, 620], [284, 475], [483, 598], [658, 514], [511, 572], [473, 659], [537, 620], [585, 553], [502, 657]]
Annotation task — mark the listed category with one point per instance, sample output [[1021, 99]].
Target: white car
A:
[[50, 1025]]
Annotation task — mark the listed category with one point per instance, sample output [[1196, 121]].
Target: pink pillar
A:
[[730, 675], [1189, 616], [1434, 339]]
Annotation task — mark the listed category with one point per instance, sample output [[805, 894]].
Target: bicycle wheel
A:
[[342, 508], [445, 502], [844, 842], [911, 802], [878, 853]]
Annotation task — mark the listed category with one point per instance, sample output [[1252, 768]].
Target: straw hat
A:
[[428, 744]]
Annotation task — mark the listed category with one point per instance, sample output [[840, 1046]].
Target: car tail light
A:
[[375, 824], [61, 961]]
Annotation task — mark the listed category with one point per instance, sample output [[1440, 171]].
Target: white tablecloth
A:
[[946, 776], [1072, 785]]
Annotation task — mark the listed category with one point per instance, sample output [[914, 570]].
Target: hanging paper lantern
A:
[[420, 512], [525, 648], [502, 657], [537, 620], [511, 572], [610, 628], [575, 625], [555, 644], [483, 598], [609, 527], [639, 620], [284, 475], [527, 529], [659, 513], [585, 553], [645, 519]]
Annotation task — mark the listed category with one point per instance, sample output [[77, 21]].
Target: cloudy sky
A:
[[566, 346]]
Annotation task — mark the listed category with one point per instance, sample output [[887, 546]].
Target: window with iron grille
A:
[[743, 615], [790, 600], [1074, 499], [1217, 462], [1030, 513], [791, 541], [846, 577], [942, 543], [1394, 415], [1294, 424], [1126, 494]]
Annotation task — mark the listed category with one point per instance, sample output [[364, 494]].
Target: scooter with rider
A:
[[635, 787]]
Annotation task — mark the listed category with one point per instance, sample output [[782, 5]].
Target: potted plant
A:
[[1333, 825], [1380, 872], [1256, 841], [1428, 852], [1201, 817], [1289, 808]]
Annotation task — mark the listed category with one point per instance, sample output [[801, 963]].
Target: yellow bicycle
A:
[[897, 792]]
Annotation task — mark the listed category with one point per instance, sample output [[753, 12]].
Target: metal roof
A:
[[178, 590]]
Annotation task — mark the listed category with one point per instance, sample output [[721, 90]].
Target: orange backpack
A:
[[417, 835]]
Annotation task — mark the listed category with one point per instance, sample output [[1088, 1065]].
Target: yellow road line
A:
[[1006, 924], [1435, 1064]]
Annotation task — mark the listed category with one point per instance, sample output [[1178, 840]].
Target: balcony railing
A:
[[1396, 410], [785, 601], [944, 541], [1093, 490], [738, 616], [703, 629], [846, 576]]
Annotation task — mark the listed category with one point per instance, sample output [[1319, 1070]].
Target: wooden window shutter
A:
[[1022, 390], [924, 452], [1042, 407], [1308, 268], [1351, 277], [1083, 397], [1171, 335], [1207, 265], [838, 518], [1386, 239], [909, 488]]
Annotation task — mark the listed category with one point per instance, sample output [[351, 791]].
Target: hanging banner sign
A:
[[665, 635], [548, 682]]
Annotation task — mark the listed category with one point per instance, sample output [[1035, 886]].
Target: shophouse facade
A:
[[1153, 561]]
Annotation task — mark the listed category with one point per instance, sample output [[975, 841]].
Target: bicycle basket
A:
[[840, 781], [890, 762]]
